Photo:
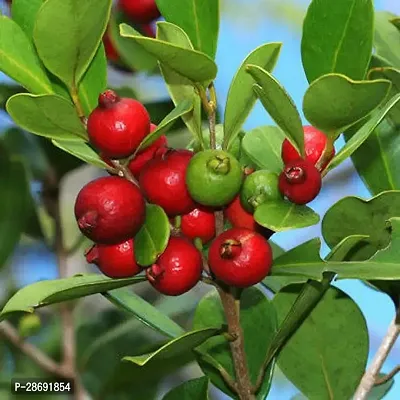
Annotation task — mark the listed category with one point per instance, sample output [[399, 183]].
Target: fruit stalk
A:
[[368, 380]]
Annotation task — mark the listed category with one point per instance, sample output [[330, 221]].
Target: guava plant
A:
[[206, 214]]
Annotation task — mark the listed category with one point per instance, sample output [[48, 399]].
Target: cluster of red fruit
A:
[[189, 187], [142, 13]]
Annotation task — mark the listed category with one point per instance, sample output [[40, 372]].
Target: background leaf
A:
[[283, 215], [316, 358], [198, 18], [241, 97], [195, 389], [261, 141], [46, 115], [339, 40], [18, 58], [191, 64], [179, 87], [47, 292], [334, 102], [255, 309], [279, 105], [144, 312], [152, 239], [67, 35]]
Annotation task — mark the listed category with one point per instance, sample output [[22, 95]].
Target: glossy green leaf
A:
[[241, 97], [337, 41], [47, 292], [18, 58], [377, 160], [181, 344], [132, 54], [198, 18], [344, 250], [15, 198], [152, 239], [166, 124], [24, 13], [191, 64], [263, 147], [389, 73], [144, 312], [334, 102], [387, 38], [282, 215], [179, 87], [279, 105], [305, 261], [93, 82], [46, 115], [195, 389], [67, 35], [81, 150], [379, 392], [363, 133], [255, 310], [370, 220], [315, 353]]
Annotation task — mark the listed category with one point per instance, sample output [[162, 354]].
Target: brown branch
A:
[[231, 307], [370, 376], [387, 377], [41, 359]]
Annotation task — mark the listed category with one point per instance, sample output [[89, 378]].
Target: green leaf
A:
[[241, 97], [344, 40], [191, 64], [46, 115], [387, 38], [131, 53], [255, 310], [166, 124], [263, 146], [8, 90], [18, 59], [283, 215], [315, 353], [24, 13], [93, 82], [344, 250], [279, 105], [179, 345], [379, 392], [363, 133], [152, 239], [362, 217], [67, 35], [198, 18], [305, 261], [47, 292], [334, 102], [144, 312], [14, 205], [195, 389], [179, 87], [81, 150]]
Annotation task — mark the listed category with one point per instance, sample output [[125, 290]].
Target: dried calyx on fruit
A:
[[300, 181], [318, 148], [117, 126]]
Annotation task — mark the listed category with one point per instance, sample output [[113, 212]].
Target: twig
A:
[[35, 354], [387, 377], [231, 307], [370, 376], [124, 172]]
